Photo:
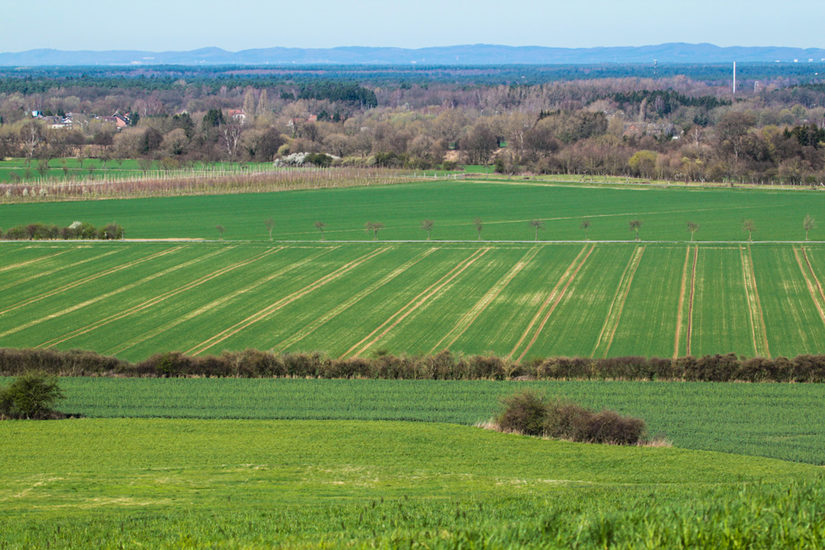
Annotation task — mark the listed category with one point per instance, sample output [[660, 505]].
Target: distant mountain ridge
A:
[[475, 54]]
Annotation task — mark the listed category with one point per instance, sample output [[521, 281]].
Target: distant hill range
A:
[[477, 54]]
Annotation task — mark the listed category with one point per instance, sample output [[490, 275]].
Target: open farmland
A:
[[357, 299], [205, 483]]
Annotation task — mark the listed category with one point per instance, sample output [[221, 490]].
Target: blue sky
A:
[[158, 25]]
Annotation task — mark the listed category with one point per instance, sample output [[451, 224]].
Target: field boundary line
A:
[[74, 284], [40, 274], [470, 317], [111, 293], [614, 314], [815, 291], [547, 300], [555, 304], [220, 301], [758, 331], [351, 301], [689, 333], [34, 260], [154, 300], [283, 302], [413, 304]]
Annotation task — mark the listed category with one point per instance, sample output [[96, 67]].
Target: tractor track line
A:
[[88, 279], [283, 302], [414, 304], [614, 314], [109, 294], [152, 301], [470, 317], [812, 290], [351, 301], [28, 262], [758, 331], [218, 302], [40, 274], [547, 300], [681, 307], [689, 332]]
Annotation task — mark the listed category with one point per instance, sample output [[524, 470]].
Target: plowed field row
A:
[[525, 301]]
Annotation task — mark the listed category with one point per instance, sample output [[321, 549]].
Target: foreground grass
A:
[[190, 483], [785, 421]]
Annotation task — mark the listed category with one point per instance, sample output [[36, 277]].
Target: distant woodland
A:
[[668, 123]]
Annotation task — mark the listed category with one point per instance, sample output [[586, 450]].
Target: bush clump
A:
[[32, 395], [77, 230], [529, 413]]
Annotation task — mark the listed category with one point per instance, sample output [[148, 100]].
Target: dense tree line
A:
[[670, 128], [442, 366], [77, 230]]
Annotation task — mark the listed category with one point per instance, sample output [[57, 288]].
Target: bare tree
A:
[[585, 226], [31, 136], [220, 230], [536, 224], [270, 224], [749, 226], [427, 225], [693, 228], [374, 228], [231, 137], [320, 227], [479, 226], [634, 226], [807, 224]]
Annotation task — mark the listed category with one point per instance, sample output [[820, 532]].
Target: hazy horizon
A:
[[252, 24]]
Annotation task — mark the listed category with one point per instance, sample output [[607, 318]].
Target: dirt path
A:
[[272, 308], [614, 314], [814, 288], [154, 300], [432, 290], [758, 331], [469, 318], [681, 307], [689, 333], [552, 301], [349, 302], [104, 296], [88, 279]]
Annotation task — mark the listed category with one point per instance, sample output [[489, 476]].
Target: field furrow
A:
[[344, 305], [263, 313], [650, 311], [814, 288], [551, 303], [9, 267], [153, 301], [42, 274], [614, 314], [91, 278], [757, 317], [106, 295], [470, 317], [365, 343]]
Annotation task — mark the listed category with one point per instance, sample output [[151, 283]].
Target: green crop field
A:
[[357, 299], [505, 208], [785, 421], [228, 483]]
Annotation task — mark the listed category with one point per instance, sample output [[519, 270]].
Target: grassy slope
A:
[[184, 483], [774, 420], [505, 209]]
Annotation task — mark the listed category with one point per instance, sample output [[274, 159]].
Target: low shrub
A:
[[32, 396], [529, 413]]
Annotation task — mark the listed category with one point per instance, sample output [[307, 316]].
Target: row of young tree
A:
[[442, 366], [671, 129], [635, 225], [77, 230]]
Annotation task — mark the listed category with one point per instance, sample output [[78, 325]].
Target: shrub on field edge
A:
[[30, 396], [529, 413], [77, 230]]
